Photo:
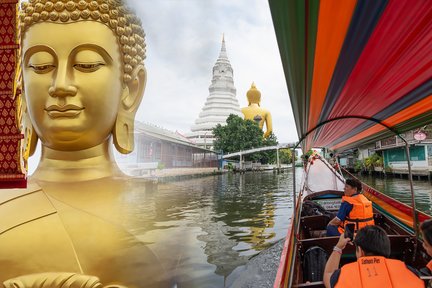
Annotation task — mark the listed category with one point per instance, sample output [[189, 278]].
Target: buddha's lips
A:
[[63, 108], [67, 111]]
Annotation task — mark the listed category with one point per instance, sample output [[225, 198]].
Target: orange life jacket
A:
[[377, 272], [429, 265], [361, 214]]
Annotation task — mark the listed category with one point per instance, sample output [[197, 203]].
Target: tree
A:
[[285, 156], [237, 135], [240, 135]]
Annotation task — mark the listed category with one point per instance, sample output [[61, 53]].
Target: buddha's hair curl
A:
[[113, 13]]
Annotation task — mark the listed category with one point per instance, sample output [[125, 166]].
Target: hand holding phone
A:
[[349, 231]]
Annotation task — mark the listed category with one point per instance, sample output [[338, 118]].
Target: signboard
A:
[[330, 204], [420, 136]]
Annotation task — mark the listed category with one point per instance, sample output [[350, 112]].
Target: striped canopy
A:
[[355, 58]]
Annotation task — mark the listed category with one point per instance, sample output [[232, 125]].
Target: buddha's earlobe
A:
[[29, 142], [130, 101]]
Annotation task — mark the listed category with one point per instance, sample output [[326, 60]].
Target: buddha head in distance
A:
[[253, 95], [83, 75]]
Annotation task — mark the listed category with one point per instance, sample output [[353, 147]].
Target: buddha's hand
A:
[[56, 280]]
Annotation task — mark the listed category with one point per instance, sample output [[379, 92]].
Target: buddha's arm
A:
[[269, 124]]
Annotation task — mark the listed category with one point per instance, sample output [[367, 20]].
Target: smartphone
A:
[[349, 231]]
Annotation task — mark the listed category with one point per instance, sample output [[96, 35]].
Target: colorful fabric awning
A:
[[355, 58]]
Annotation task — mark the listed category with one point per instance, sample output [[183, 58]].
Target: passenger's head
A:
[[83, 72], [372, 241], [352, 186], [426, 230]]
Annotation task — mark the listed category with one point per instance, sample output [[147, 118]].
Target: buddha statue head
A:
[[83, 74], [253, 95]]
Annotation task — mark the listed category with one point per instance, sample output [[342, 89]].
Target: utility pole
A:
[[277, 158]]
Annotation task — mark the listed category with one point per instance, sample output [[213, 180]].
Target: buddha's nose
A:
[[61, 86]]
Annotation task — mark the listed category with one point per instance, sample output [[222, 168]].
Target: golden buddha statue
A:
[[83, 79], [255, 113]]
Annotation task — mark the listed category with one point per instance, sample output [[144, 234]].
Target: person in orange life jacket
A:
[[426, 231], [373, 268], [355, 208]]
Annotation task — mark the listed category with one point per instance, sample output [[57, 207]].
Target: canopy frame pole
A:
[[413, 204], [294, 182]]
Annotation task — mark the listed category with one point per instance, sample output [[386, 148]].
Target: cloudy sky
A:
[[183, 42]]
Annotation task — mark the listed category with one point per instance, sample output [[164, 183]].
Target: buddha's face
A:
[[72, 77]]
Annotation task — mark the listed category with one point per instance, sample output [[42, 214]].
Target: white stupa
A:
[[220, 103]]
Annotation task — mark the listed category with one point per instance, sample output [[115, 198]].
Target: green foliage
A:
[[285, 156], [388, 169], [373, 161], [230, 166], [369, 163], [240, 135], [306, 155], [358, 166], [237, 135]]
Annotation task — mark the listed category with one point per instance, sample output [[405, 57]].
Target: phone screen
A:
[[349, 231]]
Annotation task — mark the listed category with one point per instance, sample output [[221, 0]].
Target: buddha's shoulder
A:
[[7, 195]]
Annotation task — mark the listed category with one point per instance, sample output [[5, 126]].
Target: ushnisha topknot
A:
[[113, 13]]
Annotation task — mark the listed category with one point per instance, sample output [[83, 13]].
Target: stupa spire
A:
[[223, 53]]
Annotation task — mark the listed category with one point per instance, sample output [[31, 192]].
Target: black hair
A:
[[331, 154], [373, 240], [354, 183], [426, 228]]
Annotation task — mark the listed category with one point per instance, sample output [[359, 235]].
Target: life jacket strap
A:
[[359, 220]]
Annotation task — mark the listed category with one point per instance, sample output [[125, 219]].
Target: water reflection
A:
[[202, 229], [400, 190]]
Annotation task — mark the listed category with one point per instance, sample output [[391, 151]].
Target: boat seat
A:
[[312, 226], [316, 226], [402, 246]]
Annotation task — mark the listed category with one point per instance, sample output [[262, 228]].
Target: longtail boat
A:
[[324, 185], [357, 71]]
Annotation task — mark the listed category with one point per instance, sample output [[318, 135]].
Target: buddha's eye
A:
[[88, 67], [42, 68]]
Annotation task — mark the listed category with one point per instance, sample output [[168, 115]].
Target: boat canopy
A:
[[366, 63]]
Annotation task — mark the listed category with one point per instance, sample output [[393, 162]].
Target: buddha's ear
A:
[[131, 98], [133, 95], [30, 137]]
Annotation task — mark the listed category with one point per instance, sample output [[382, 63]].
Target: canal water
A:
[[399, 189], [201, 229]]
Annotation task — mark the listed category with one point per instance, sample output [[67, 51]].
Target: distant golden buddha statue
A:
[[83, 79], [255, 113]]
